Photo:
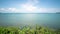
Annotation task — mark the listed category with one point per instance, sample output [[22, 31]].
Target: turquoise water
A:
[[50, 20]]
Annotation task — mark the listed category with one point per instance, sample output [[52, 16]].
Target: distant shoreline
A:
[[29, 13]]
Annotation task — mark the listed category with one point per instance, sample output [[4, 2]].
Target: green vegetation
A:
[[28, 30]]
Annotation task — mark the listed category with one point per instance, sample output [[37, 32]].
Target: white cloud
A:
[[29, 6], [49, 10], [2, 9], [31, 9], [12, 9]]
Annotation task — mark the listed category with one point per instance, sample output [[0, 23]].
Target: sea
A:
[[51, 20]]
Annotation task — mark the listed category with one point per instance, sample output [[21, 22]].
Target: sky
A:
[[29, 6]]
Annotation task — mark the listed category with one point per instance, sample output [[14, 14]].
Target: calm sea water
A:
[[50, 20]]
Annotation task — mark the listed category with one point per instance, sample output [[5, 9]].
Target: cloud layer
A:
[[29, 7]]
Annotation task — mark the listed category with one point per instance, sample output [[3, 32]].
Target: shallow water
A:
[[50, 20]]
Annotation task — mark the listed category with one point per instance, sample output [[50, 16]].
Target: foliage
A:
[[28, 30]]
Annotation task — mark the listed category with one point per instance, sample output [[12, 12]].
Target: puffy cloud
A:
[[29, 7], [11, 9], [4, 10]]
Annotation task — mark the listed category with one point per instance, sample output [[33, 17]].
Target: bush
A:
[[28, 30]]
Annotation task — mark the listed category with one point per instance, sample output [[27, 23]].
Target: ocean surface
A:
[[50, 20]]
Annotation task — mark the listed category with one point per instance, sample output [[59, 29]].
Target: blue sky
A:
[[29, 6]]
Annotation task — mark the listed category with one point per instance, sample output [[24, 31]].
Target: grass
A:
[[28, 30]]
